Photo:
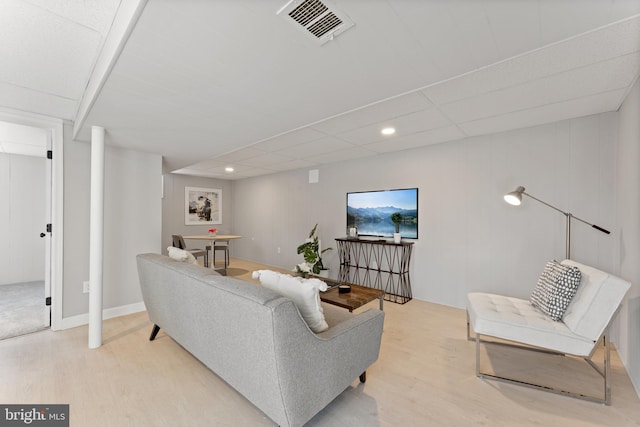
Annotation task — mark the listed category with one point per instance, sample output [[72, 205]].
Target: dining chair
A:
[[178, 242], [221, 245]]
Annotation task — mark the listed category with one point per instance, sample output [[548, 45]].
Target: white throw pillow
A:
[[181, 255], [303, 292]]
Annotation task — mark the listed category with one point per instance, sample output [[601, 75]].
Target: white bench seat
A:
[[584, 323], [517, 320]]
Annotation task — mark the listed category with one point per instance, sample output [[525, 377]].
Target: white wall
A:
[[22, 218], [133, 223], [628, 211], [469, 238]]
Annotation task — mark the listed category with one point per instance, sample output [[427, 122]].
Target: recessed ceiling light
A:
[[388, 131], [228, 169]]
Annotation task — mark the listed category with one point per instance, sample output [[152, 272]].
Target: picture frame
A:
[[202, 206]]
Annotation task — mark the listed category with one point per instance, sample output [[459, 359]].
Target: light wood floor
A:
[[425, 376]]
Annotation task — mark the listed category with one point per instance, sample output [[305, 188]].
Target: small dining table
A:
[[211, 238]]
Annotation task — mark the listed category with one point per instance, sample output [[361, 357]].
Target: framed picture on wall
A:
[[202, 206]]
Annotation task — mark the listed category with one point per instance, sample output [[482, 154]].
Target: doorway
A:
[[30, 255], [24, 275]]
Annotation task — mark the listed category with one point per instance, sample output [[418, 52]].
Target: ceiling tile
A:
[[342, 155], [249, 172], [239, 155], [25, 99], [601, 77], [438, 28], [515, 26], [266, 160], [475, 30], [420, 139], [311, 149], [367, 134], [384, 110], [564, 19], [207, 164], [290, 139], [599, 103], [32, 36], [293, 164], [591, 48], [95, 14], [404, 125], [420, 121]]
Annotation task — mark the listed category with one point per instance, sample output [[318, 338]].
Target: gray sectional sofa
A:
[[256, 340]]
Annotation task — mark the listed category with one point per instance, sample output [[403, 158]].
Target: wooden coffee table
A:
[[359, 295]]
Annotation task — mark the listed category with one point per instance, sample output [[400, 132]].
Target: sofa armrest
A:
[[314, 369], [348, 324]]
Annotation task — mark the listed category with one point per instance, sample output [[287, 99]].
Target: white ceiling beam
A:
[[123, 24]]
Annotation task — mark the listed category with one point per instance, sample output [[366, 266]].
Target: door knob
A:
[[42, 234]]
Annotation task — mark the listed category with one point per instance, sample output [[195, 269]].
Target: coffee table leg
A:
[[381, 301]]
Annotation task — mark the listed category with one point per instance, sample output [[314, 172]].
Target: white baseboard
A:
[[109, 313]]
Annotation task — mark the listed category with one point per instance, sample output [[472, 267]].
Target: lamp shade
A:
[[515, 197]]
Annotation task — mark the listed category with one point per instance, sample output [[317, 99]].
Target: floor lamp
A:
[[515, 198]]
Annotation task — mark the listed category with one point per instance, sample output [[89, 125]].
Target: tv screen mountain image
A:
[[370, 212]]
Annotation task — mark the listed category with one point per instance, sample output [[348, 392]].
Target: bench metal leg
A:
[[477, 355], [605, 373], [607, 370]]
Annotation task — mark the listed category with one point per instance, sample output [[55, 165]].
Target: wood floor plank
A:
[[425, 376]]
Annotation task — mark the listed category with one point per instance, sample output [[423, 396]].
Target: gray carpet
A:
[[22, 309]]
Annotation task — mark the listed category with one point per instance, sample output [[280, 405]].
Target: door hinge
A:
[[47, 301], [49, 228], [49, 154]]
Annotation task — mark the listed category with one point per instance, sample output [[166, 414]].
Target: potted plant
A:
[[396, 218], [312, 255]]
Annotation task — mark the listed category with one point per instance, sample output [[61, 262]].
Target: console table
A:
[[377, 264]]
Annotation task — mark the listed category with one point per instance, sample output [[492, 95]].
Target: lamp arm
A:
[[567, 214], [551, 206]]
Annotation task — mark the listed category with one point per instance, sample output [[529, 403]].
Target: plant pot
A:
[[397, 238]]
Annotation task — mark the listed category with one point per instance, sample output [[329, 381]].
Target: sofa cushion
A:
[[303, 292], [181, 255], [556, 287]]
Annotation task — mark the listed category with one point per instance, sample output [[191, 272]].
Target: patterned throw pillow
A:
[[556, 287]]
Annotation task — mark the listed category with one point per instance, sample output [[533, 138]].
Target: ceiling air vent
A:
[[317, 19]]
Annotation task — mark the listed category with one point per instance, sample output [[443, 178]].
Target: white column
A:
[[96, 236]]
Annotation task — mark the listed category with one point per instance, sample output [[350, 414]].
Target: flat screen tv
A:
[[371, 212]]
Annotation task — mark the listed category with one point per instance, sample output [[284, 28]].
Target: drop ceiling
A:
[[212, 84]]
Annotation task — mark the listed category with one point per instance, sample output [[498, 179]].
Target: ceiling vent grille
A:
[[317, 19], [308, 11]]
